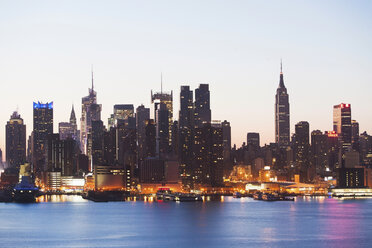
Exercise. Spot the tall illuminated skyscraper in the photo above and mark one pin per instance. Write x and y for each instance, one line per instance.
(90, 111)
(342, 124)
(15, 140)
(43, 127)
(282, 125)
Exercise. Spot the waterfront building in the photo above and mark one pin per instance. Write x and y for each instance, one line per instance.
(282, 125)
(42, 128)
(15, 141)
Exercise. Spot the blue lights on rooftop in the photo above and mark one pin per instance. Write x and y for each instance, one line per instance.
(39, 105)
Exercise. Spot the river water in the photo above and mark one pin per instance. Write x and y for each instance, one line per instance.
(70, 221)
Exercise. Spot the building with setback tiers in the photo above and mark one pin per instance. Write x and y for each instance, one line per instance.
(90, 111)
(282, 125)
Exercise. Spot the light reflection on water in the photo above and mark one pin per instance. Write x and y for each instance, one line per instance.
(60, 198)
(242, 222)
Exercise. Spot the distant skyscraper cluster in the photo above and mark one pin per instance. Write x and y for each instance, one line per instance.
(136, 150)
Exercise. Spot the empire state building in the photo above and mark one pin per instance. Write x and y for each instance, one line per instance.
(281, 114)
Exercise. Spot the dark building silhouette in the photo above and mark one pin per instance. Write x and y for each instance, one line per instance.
(301, 148)
(150, 138)
(253, 139)
(202, 110)
(152, 170)
(227, 162)
(109, 146)
(97, 137)
(282, 125)
(142, 115)
(186, 135)
(61, 155)
(43, 127)
(333, 148)
(208, 155)
(15, 141)
(162, 130)
(319, 152)
(355, 135)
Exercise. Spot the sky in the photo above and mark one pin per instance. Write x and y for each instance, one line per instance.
(47, 49)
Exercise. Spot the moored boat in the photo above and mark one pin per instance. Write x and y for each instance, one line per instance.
(25, 191)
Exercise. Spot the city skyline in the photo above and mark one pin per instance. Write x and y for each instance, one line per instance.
(247, 77)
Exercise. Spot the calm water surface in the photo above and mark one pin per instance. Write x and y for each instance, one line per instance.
(70, 221)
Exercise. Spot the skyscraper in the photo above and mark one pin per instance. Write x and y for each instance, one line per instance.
(319, 152)
(43, 127)
(253, 139)
(202, 105)
(208, 154)
(302, 147)
(186, 134)
(342, 124)
(90, 111)
(227, 163)
(69, 129)
(162, 130)
(15, 140)
(142, 115)
(282, 125)
(355, 135)
(165, 98)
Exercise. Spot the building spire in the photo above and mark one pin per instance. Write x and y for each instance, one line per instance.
(92, 79)
(281, 81)
(281, 67)
(161, 82)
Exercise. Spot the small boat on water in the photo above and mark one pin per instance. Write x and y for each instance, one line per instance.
(164, 194)
(181, 197)
(270, 197)
(25, 191)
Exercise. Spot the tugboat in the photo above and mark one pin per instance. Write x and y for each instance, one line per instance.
(25, 191)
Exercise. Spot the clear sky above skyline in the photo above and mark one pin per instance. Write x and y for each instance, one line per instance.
(47, 48)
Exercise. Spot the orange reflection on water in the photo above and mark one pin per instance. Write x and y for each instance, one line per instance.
(60, 198)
